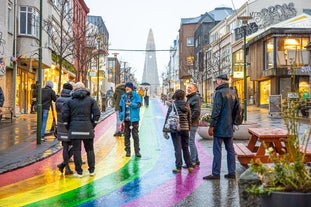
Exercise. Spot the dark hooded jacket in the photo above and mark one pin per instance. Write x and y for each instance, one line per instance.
(183, 112)
(225, 102)
(194, 102)
(81, 112)
(48, 95)
(62, 132)
(1, 97)
(120, 89)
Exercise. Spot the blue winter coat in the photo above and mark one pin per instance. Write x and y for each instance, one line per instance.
(134, 107)
(225, 102)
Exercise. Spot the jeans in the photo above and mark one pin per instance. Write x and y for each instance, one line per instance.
(217, 142)
(193, 148)
(118, 123)
(127, 136)
(45, 115)
(89, 148)
(180, 142)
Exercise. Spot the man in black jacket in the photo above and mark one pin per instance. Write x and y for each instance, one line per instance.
(1, 101)
(221, 127)
(62, 132)
(81, 113)
(48, 95)
(194, 101)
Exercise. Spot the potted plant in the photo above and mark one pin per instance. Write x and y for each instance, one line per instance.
(203, 125)
(287, 180)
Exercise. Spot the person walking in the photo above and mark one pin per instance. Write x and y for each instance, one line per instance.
(194, 101)
(81, 113)
(221, 127)
(130, 104)
(141, 92)
(1, 101)
(146, 97)
(34, 91)
(120, 89)
(48, 95)
(180, 138)
(62, 132)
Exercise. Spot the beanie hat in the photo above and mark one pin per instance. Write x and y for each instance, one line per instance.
(49, 84)
(130, 85)
(67, 86)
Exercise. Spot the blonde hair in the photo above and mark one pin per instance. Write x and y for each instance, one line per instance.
(78, 85)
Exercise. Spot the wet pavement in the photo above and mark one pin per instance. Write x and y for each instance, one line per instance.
(119, 181)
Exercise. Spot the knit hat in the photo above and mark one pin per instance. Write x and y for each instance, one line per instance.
(67, 86)
(223, 77)
(49, 84)
(130, 85)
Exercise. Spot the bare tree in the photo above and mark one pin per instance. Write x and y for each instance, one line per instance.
(60, 34)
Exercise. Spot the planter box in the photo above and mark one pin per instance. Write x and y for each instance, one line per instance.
(286, 199)
(240, 133)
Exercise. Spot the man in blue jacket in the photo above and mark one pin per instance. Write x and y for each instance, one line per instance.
(130, 104)
(221, 127)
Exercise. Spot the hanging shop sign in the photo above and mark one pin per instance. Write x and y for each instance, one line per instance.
(238, 74)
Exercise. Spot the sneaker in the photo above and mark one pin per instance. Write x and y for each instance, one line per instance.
(176, 171)
(117, 134)
(211, 177)
(230, 176)
(77, 175)
(190, 169)
(68, 172)
(92, 173)
(138, 154)
(197, 163)
(128, 154)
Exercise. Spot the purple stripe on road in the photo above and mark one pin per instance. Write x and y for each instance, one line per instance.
(178, 188)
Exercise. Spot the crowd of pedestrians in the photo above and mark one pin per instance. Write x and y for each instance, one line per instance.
(78, 114)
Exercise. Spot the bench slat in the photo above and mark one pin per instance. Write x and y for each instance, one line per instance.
(242, 150)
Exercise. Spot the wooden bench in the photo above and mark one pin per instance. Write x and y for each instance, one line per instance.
(244, 155)
(308, 153)
(7, 111)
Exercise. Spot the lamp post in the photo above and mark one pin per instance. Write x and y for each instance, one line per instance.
(98, 47)
(39, 97)
(244, 24)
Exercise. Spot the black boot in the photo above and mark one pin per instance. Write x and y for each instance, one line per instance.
(68, 171)
(61, 167)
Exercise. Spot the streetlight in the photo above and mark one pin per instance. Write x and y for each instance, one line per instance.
(244, 24)
(39, 107)
(98, 47)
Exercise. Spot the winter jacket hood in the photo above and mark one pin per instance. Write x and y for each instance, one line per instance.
(80, 93)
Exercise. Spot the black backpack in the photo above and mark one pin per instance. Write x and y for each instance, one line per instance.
(238, 115)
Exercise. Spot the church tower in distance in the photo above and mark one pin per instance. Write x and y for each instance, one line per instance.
(150, 74)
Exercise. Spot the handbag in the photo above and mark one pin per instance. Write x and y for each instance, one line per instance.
(172, 123)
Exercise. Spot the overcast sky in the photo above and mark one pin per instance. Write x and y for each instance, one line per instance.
(128, 23)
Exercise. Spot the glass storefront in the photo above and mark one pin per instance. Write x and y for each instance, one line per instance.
(264, 87)
(24, 80)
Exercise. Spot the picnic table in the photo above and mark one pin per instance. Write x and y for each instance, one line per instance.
(261, 138)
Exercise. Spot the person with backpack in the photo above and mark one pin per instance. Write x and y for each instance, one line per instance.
(120, 90)
(180, 132)
(62, 132)
(221, 127)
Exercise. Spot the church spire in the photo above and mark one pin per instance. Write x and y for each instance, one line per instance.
(150, 74)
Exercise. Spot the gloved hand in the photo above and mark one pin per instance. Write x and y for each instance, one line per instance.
(165, 135)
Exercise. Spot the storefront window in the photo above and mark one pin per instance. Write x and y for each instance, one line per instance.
(269, 53)
(285, 86)
(265, 92)
(292, 51)
(304, 87)
(238, 61)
